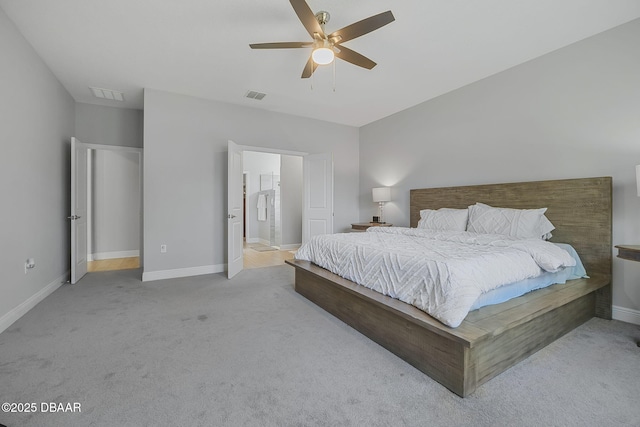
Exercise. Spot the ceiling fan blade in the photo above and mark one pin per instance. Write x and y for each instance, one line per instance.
(280, 45)
(354, 57)
(306, 16)
(360, 28)
(309, 68)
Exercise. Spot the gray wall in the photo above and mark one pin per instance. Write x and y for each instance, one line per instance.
(37, 125)
(572, 113)
(115, 204)
(185, 172)
(291, 199)
(98, 124)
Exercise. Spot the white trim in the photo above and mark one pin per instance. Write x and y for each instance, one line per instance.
(183, 272)
(113, 255)
(252, 240)
(626, 315)
(114, 147)
(290, 247)
(15, 314)
(272, 150)
(264, 242)
(90, 183)
(246, 176)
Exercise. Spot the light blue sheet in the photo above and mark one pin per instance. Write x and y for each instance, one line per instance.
(513, 290)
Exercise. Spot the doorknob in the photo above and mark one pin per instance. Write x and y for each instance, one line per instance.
(231, 216)
(72, 217)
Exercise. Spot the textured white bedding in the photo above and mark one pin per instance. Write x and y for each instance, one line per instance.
(439, 272)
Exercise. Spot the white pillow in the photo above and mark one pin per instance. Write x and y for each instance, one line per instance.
(527, 223)
(444, 219)
(545, 228)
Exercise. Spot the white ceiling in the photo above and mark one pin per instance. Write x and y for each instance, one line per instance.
(201, 48)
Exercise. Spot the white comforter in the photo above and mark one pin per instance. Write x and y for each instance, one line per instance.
(440, 272)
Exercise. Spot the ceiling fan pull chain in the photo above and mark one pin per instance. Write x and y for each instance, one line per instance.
(334, 75)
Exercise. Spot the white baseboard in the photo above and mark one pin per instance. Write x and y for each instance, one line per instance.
(626, 315)
(264, 242)
(182, 272)
(290, 247)
(252, 240)
(9, 318)
(112, 255)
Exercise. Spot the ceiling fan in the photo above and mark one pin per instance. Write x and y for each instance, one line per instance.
(327, 46)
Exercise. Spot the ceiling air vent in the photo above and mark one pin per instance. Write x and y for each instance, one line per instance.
(112, 95)
(255, 95)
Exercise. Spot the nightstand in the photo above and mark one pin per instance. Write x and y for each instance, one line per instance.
(362, 226)
(632, 253)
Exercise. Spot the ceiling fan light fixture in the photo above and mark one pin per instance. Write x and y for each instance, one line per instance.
(326, 47)
(323, 56)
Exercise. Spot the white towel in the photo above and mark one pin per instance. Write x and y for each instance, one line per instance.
(262, 207)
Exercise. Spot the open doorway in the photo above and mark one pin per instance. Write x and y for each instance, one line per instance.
(272, 207)
(114, 208)
(317, 199)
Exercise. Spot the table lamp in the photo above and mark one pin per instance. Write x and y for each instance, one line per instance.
(381, 195)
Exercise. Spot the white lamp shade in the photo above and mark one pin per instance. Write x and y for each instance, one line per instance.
(638, 179)
(382, 194)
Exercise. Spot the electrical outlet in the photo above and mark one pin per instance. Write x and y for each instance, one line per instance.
(163, 249)
(29, 264)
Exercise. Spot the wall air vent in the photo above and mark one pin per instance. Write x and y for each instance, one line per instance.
(255, 95)
(112, 95)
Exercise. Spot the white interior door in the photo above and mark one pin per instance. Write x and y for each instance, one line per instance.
(234, 210)
(78, 216)
(317, 213)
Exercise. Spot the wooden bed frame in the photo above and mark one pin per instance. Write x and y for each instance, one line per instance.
(493, 338)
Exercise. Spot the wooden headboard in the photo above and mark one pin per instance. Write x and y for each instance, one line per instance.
(580, 209)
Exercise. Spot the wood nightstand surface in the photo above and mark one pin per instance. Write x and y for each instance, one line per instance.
(630, 252)
(364, 225)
